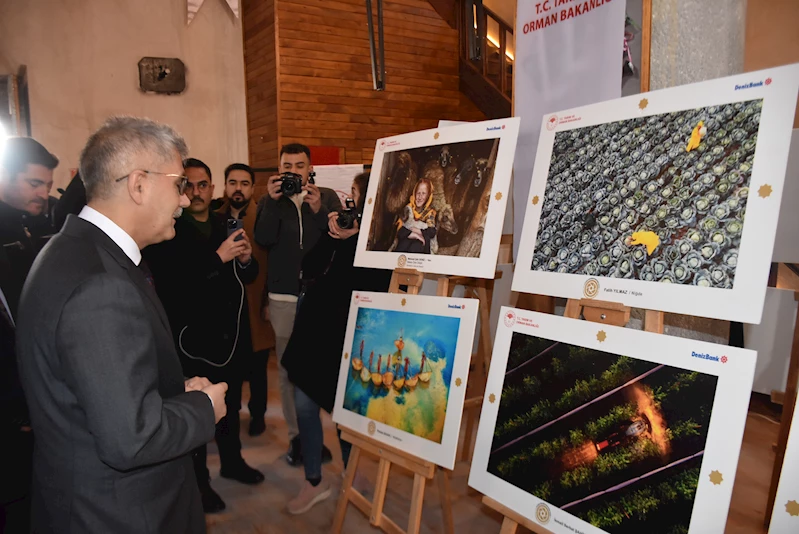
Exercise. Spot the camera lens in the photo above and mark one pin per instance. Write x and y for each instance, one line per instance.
(345, 221)
(291, 184)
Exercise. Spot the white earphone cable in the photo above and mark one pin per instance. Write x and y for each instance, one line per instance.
(238, 328)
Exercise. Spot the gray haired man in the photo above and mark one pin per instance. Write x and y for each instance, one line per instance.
(114, 418)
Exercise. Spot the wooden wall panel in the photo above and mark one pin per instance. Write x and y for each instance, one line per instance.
(325, 82)
(261, 71)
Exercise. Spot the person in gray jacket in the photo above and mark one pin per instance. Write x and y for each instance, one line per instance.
(288, 226)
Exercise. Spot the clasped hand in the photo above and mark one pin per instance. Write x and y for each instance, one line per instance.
(215, 392)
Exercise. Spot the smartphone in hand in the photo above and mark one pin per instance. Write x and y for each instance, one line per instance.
(233, 226)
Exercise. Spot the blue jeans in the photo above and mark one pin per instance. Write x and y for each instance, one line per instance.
(312, 436)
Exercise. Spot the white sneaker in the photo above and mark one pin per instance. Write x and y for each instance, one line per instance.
(308, 497)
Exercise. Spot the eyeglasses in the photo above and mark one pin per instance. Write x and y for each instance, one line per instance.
(181, 185)
(200, 186)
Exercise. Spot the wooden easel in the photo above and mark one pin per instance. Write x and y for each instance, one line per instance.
(596, 311)
(423, 471)
(482, 290)
(789, 403)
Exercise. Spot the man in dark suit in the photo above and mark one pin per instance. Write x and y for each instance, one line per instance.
(114, 419)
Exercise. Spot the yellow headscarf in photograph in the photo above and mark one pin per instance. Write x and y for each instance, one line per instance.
(427, 214)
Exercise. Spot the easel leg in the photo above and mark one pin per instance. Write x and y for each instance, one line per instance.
(380, 492)
(572, 309)
(417, 501)
(509, 526)
(653, 321)
(485, 326)
(466, 450)
(788, 414)
(443, 289)
(343, 498)
(446, 500)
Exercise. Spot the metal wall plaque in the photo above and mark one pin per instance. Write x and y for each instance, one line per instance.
(162, 75)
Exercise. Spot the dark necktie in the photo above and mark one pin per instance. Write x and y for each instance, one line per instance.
(148, 274)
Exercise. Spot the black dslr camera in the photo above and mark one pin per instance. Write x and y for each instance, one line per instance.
(290, 183)
(346, 218)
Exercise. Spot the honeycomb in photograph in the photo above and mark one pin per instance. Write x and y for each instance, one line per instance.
(659, 198)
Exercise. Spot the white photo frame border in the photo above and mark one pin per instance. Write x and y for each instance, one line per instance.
(725, 431)
(744, 302)
(466, 310)
(484, 266)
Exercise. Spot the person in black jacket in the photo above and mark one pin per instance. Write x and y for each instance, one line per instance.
(200, 277)
(17, 439)
(72, 200)
(313, 353)
(288, 226)
(26, 177)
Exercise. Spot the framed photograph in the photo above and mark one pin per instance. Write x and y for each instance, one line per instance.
(436, 199)
(665, 201)
(403, 372)
(785, 515)
(592, 428)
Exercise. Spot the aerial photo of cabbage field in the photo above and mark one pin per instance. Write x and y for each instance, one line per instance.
(659, 198)
(613, 440)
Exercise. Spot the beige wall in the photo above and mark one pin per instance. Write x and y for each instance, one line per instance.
(82, 58)
(772, 38)
(688, 48)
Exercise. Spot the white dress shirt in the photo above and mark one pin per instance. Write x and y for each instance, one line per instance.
(112, 230)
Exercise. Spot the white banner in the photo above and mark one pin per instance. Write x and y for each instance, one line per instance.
(338, 178)
(568, 54)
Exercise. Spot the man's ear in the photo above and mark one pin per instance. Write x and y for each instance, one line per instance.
(138, 185)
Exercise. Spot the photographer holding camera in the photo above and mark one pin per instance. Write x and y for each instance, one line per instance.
(291, 219)
(313, 354)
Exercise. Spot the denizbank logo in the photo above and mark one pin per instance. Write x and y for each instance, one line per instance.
(705, 356)
(752, 85)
